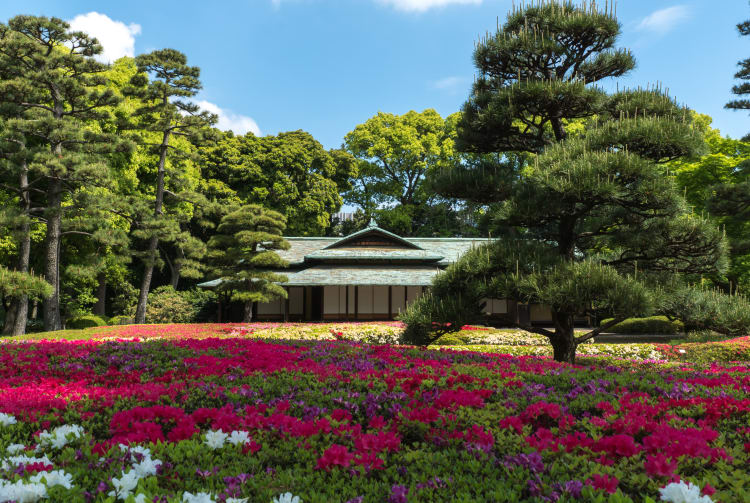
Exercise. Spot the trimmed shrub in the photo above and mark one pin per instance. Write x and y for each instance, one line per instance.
(167, 305)
(650, 325)
(701, 309)
(85, 321)
(121, 319)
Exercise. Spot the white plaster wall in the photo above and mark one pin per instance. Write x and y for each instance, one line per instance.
(380, 300)
(365, 300)
(352, 307)
(342, 299)
(273, 307)
(330, 300)
(412, 293)
(398, 302)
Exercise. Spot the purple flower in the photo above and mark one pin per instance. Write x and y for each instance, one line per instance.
(398, 494)
(574, 488)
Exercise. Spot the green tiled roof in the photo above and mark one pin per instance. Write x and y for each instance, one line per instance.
(337, 261)
(373, 254)
(323, 275)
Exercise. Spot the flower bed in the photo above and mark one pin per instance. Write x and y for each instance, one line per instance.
(242, 419)
(732, 350)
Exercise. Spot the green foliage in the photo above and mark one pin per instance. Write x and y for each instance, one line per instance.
(290, 173)
(167, 305)
(650, 325)
(85, 321)
(121, 319)
(398, 156)
(244, 254)
(534, 74)
(581, 218)
(15, 284)
(707, 309)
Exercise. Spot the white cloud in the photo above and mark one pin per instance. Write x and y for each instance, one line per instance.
(229, 120)
(116, 38)
(453, 83)
(423, 5)
(663, 20)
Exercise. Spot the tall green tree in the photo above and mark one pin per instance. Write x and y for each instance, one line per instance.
(163, 84)
(245, 252)
(397, 156)
(743, 73)
(596, 219)
(718, 184)
(50, 73)
(291, 173)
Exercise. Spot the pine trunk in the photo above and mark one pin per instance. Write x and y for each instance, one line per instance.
(52, 319)
(248, 312)
(100, 308)
(564, 344)
(18, 314)
(153, 245)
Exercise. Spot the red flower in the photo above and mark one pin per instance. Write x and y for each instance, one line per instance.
(604, 482)
(336, 455)
(660, 465)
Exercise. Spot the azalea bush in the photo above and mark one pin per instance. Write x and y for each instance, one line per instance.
(246, 419)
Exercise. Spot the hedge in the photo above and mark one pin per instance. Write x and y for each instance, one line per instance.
(650, 325)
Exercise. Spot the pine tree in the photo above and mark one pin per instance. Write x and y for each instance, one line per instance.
(244, 250)
(164, 111)
(743, 74)
(590, 215)
(51, 77)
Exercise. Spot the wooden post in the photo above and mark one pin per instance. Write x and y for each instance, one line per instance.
(286, 303)
(390, 302)
(347, 303)
(304, 303)
(356, 302)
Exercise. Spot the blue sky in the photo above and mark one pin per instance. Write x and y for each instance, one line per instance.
(325, 66)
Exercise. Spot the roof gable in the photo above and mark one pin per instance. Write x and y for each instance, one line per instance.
(373, 237)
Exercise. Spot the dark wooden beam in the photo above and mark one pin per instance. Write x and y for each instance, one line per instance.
(286, 303)
(356, 302)
(390, 302)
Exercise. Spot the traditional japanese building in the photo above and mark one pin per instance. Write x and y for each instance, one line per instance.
(372, 274)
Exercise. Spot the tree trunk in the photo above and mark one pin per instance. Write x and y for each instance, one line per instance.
(558, 129)
(248, 312)
(10, 317)
(101, 295)
(564, 344)
(52, 260)
(153, 245)
(17, 315)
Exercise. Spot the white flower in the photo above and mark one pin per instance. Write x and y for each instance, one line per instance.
(141, 498)
(60, 436)
(287, 498)
(15, 448)
(236, 500)
(198, 497)
(138, 449)
(215, 439)
(124, 485)
(54, 478)
(239, 437)
(146, 467)
(680, 492)
(7, 419)
(22, 492)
